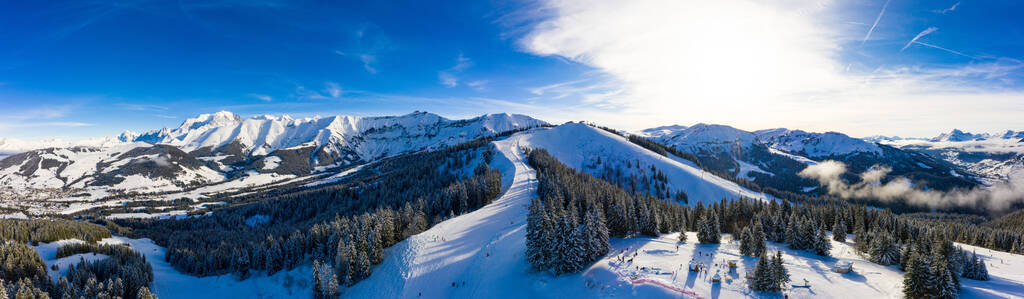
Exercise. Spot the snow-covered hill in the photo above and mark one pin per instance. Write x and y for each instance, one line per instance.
(222, 150)
(480, 254)
(593, 150)
(815, 145)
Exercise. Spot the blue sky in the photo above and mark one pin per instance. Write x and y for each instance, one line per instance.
(76, 69)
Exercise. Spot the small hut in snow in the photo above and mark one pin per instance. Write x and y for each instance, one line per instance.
(843, 267)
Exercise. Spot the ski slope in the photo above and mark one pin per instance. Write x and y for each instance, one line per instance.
(480, 254)
(482, 248)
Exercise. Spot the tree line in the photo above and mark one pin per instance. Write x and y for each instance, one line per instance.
(49, 230)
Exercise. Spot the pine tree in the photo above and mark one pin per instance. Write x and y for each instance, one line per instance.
(974, 268)
(342, 263)
(758, 239)
(839, 231)
(779, 273)
(362, 267)
(763, 275)
(536, 236)
(945, 285)
(883, 250)
(915, 278)
(981, 270)
(822, 245)
(318, 283)
(716, 230)
(746, 242)
(793, 231)
(862, 241)
(143, 294)
(708, 231)
(598, 235)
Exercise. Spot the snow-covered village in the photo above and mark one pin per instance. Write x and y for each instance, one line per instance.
(511, 149)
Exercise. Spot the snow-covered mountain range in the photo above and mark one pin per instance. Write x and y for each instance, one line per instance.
(224, 151)
(774, 157)
(220, 147)
(990, 157)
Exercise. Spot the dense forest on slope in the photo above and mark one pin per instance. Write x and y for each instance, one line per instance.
(50, 230)
(124, 273)
(1012, 222)
(346, 225)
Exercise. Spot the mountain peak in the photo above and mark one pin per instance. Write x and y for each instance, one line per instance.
(220, 118)
(1011, 134)
(656, 132)
(956, 135)
(127, 136)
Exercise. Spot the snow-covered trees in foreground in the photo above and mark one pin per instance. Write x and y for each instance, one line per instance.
(708, 228)
(23, 273)
(752, 241)
(770, 275)
(569, 224)
(839, 231)
(325, 281)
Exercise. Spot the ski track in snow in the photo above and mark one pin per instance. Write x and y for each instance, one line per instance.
(457, 250)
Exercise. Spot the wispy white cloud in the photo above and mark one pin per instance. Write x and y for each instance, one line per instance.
(261, 97)
(142, 107)
(875, 24)
(919, 36)
(368, 44)
(449, 77)
(331, 90)
(944, 49)
(368, 61)
(479, 85)
(947, 10)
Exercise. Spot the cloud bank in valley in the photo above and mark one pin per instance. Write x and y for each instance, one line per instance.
(996, 198)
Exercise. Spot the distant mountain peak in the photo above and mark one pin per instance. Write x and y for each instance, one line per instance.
(1010, 134)
(956, 135)
(661, 131)
(217, 119)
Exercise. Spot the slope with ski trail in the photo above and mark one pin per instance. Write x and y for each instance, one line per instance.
(471, 255)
